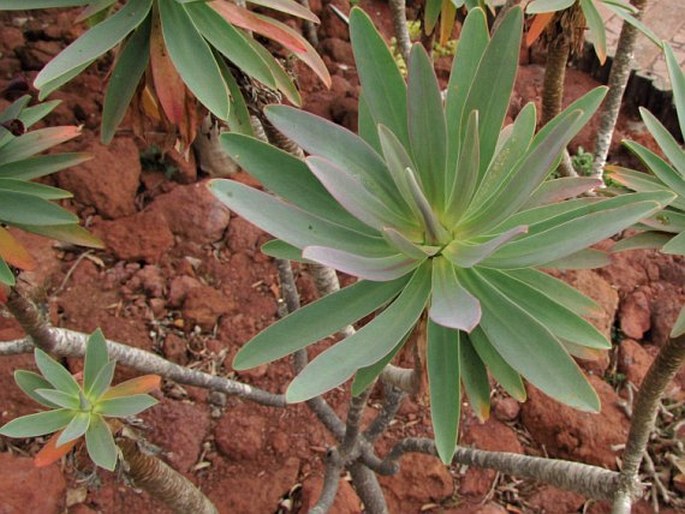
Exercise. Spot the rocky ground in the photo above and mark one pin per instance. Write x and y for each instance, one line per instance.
(183, 277)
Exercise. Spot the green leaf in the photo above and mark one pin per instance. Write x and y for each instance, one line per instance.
(643, 240)
(672, 150)
(677, 77)
(493, 83)
(14, 5)
(238, 115)
(102, 381)
(6, 275)
(12, 185)
(427, 129)
(95, 360)
(230, 42)
(452, 305)
(597, 33)
(55, 373)
(366, 125)
(384, 89)
(529, 348)
(193, 58)
(368, 345)
(32, 115)
(75, 429)
(70, 233)
(475, 378)
(364, 377)
(37, 424)
(461, 183)
(282, 250)
(316, 321)
(340, 146)
(127, 406)
(444, 382)
(288, 7)
(468, 254)
(589, 258)
(473, 41)
(123, 82)
(505, 375)
(292, 224)
(28, 381)
(58, 82)
(431, 15)
(380, 269)
(559, 189)
(559, 320)
(98, 40)
(22, 208)
(679, 326)
(32, 143)
(635, 22)
(676, 245)
(538, 6)
(100, 444)
(36, 167)
(59, 398)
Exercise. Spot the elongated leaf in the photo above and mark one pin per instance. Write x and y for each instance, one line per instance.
(125, 406)
(32, 143)
(406, 246)
(70, 233)
(7, 278)
(530, 348)
(14, 253)
(21, 208)
(538, 6)
(75, 429)
(193, 58)
(597, 32)
(12, 185)
(96, 358)
(364, 377)
(644, 182)
(444, 381)
(239, 120)
(677, 77)
(635, 22)
(288, 7)
(452, 305)
(643, 240)
(230, 42)
(59, 398)
(668, 220)
(35, 113)
(505, 375)
(673, 151)
(51, 453)
(380, 269)
(291, 224)
(497, 69)
(58, 82)
(138, 385)
(462, 182)
(679, 326)
(538, 26)
(29, 381)
(475, 378)
(36, 167)
(282, 250)
(123, 82)
(95, 7)
(13, 5)
(100, 444)
(557, 190)
(427, 129)
(101, 381)
(589, 258)
(559, 320)
(34, 425)
(431, 15)
(368, 345)
(350, 191)
(676, 245)
(384, 89)
(366, 125)
(98, 40)
(55, 373)
(467, 255)
(345, 149)
(473, 40)
(316, 321)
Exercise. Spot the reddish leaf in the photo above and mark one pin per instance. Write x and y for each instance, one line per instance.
(540, 22)
(169, 86)
(139, 385)
(241, 17)
(447, 17)
(51, 453)
(14, 253)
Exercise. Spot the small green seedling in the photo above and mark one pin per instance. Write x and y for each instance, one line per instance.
(78, 409)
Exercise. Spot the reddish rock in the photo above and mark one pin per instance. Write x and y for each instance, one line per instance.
(109, 182)
(179, 289)
(240, 433)
(175, 349)
(186, 166)
(339, 50)
(42, 249)
(143, 236)
(151, 279)
(551, 500)
(346, 500)
(13, 401)
(633, 361)
(25, 488)
(243, 236)
(667, 300)
(476, 508)
(635, 315)
(421, 479)
(204, 305)
(572, 434)
(179, 429)
(506, 409)
(193, 213)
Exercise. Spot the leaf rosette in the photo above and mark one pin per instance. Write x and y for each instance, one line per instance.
(79, 409)
(436, 209)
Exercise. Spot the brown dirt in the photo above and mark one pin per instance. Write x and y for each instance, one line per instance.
(184, 278)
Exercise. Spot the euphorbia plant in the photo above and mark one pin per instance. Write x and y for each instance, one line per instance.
(79, 409)
(439, 210)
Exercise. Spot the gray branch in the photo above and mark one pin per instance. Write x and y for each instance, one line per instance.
(334, 467)
(399, 21)
(391, 404)
(368, 489)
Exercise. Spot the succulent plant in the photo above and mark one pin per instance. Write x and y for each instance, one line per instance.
(79, 409)
(438, 210)
(25, 204)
